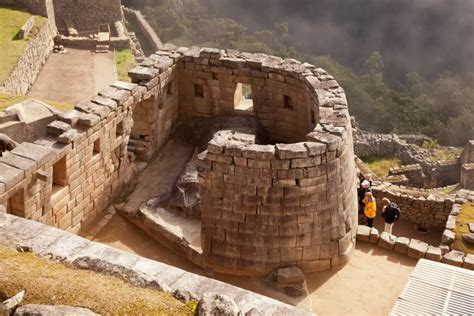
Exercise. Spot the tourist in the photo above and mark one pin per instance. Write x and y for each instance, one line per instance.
(390, 214)
(363, 189)
(370, 208)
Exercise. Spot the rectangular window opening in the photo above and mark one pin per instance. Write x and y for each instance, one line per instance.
(96, 150)
(287, 102)
(169, 89)
(313, 120)
(59, 175)
(243, 98)
(198, 91)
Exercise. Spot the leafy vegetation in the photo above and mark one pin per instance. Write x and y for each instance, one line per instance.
(53, 283)
(442, 108)
(464, 218)
(380, 165)
(7, 100)
(124, 61)
(11, 21)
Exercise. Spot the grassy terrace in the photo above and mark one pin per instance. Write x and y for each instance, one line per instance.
(466, 217)
(124, 61)
(11, 21)
(381, 165)
(7, 100)
(53, 283)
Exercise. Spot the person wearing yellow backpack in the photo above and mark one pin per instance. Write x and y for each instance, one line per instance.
(370, 208)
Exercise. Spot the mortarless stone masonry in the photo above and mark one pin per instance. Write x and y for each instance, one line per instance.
(263, 206)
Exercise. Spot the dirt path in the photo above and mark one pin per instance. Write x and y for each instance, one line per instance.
(74, 76)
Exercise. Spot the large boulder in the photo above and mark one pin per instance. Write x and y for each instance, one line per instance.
(218, 305)
(48, 310)
(7, 307)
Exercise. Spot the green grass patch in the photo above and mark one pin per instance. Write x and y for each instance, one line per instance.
(11, 20)
(380, 165)
(464, 218)
(7, 100)
(124, 61)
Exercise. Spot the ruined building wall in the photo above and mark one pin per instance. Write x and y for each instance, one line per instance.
(67, 177)
(86, 15)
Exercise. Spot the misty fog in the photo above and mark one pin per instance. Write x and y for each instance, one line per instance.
(425, 36)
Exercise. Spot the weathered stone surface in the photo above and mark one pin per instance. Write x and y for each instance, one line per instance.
(289, 151)
(68, 136)
(10, 176)
(363, 233)
(401, 244)
(56, 128)
(289, 275)
(218, 305)
(433, 253)
(49, 310)
(454, 257)
(448, 237)
(471, 227)
(7, 307)
(37, 153)
(468, 262)
(374, 235)
(143, 73)
(184, 296)
(27, 165)
(387, 241)
(417, 249)
(468, 238)
(49, 241)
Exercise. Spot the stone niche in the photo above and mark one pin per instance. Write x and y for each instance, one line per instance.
(290, 201)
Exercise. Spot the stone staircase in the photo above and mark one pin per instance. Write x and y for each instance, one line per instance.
(103, 42)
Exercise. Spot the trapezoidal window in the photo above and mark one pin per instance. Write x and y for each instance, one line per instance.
(97, 148)
(119, 131)
(198, 90)
(288, 102)
(59, 176)
(169, 89)
(243, 98)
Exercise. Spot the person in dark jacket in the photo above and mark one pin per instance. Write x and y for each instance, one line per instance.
(390, 214)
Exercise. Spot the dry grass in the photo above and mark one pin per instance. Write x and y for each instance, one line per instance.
(11, 20)
(466, 217)
(380, 165)
(7, 100)
(53, 283)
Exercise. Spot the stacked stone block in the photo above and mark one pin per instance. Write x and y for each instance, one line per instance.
(86, 15)
(419, 206)
(67, 177)
(414, 174)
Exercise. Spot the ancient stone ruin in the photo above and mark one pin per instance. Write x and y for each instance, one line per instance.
(263, 204)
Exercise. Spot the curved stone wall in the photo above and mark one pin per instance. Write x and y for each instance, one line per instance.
(267, 206)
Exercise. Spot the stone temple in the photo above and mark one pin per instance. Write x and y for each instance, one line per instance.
(266, 186)
(279, 192)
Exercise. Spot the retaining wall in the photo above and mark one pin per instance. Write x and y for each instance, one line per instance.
(419, 206)
(153, 41)
(31, 61)
(86, 15)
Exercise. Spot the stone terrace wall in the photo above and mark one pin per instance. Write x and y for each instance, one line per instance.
(418, 206)
(31, 61)
(66, 178)
(38, 7)
(87, 15)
